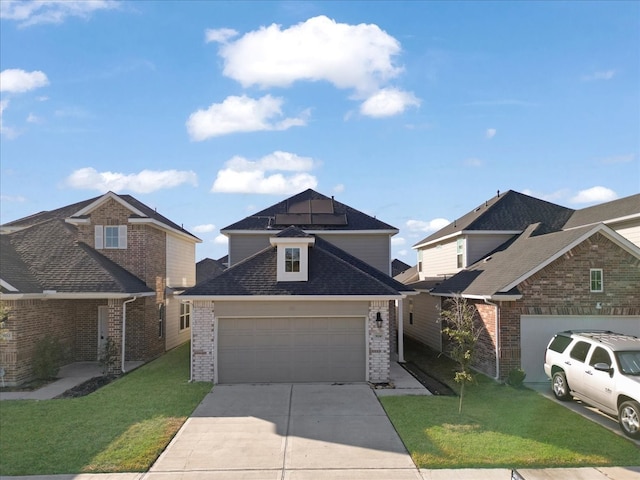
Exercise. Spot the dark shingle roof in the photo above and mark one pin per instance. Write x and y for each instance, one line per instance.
(398, 266)
(510, 211)
(47, 256)
(513, 261)
(208, 268)
(69, 211)
(623, 207)
(332, 272)
(286, 210)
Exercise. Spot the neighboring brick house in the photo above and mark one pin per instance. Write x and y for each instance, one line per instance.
(531, 268)
(307, 297)
(81, 272)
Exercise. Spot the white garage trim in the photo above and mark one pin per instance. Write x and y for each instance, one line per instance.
(321, 330)
(537, 330)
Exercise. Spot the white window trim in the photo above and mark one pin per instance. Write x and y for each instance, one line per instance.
(282, 244)
(591, 272)
(185, 315)
(100, 237)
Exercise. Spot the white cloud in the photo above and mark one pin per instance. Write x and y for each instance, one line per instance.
(245, 176)
(388, 102)
(490, 133)
(339, 188)
(556, 197)
(241, 114)
(220, 35)
(221, 240)
(33, 118)
(8, 132)
(473, 162)
(13, 198)
(34, 12)
(146, 181)
(600, 75)
(15, 80)
(396, 241)
(206, 228)
(594, 195)
(357, 57)
(403, 253)
(628, 158)
(430, 226)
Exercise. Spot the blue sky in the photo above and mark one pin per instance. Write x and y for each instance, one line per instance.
(414, 112)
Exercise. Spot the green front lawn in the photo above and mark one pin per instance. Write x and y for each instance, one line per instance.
(122, 427)
(500, 427)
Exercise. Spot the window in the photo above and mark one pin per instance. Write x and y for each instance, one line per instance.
(600, 355)
(559, 343)
(110, 236)
(185, 315)
(292, 260)
(460, 252)
(596, 279)
(579, 351)
(410, 311)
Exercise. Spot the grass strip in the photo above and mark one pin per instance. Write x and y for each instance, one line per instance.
(122, 427)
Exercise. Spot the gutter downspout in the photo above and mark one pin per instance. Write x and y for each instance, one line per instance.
(486, 300)
(400, 320)
(191, 344)
(124, 329)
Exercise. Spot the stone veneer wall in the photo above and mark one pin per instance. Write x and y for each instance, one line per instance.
(379, 350)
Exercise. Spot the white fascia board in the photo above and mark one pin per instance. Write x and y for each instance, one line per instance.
(7, 286)
(610, 221)
(165, 228)
(72, 296)
(599, 228)
(78, 221)
(496, 298)
(290, 298)
(311, 232)
(461, 233)
(293, 241)
(109, 195)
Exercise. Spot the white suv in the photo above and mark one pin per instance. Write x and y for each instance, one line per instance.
(600, 368)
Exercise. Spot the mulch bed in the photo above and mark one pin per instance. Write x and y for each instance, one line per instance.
(435, 386)
(85, 388)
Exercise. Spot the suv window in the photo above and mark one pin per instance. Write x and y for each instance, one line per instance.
(560, 343)
(600, 355)
(579, 351)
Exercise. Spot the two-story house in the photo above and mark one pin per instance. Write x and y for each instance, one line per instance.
(104, 268)
(307, 297)
(531, 268)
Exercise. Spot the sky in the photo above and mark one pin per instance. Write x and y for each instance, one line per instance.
(414, 112)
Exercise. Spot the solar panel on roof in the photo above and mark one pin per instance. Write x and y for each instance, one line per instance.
(320, 205)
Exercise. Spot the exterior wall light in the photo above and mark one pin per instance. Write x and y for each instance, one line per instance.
(379, 320)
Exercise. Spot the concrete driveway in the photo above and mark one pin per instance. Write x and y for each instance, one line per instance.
(295, 432)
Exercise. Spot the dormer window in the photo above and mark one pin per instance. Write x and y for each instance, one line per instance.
(292, 259)
(292, 245)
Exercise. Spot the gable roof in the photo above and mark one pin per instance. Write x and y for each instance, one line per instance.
(332, 272)
(208, 268)
(32, 264)
(79, 211)
(609, 212)
(398, 266)
(508, 212)
(499, 273)
(312, 211)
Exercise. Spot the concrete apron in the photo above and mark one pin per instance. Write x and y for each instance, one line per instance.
(295, 432)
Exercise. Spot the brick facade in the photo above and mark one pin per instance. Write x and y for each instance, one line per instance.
(75, 322)
(204, 353)
(561, 288)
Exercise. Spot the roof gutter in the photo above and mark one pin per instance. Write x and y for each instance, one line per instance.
(124, 329)
(54, 295)
(496, 297)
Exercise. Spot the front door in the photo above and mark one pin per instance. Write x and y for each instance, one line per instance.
(103, 329)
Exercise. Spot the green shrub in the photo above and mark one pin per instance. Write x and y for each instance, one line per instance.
(108, 355)
(47, 358)
(516, 377)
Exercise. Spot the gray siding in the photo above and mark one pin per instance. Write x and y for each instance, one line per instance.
(373, 248)
(243, 246)
(426, 320)
(478, 246)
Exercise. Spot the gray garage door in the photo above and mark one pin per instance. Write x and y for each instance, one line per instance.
(282, 350)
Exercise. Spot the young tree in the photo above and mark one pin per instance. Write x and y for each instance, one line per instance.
(464, 332)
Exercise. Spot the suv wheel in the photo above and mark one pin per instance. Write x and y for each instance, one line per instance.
(560, 386)
(629, 418)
